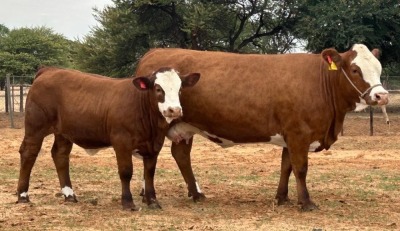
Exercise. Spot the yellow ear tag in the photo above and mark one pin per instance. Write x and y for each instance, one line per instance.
(332, 65)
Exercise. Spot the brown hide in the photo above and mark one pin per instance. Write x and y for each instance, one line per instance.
(248, 98)
(92, 111)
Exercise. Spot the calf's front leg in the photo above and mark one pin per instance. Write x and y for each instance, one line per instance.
(149, 192)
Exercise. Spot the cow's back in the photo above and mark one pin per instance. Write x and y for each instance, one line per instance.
(76, 104)
(255, 96)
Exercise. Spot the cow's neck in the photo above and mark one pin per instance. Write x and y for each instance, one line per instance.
(340, 98)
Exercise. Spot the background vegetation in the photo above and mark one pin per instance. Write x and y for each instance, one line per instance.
(129, 28)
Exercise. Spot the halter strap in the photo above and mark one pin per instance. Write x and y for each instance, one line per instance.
(362, 95)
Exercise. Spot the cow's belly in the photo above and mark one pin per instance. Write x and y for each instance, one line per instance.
(182, 132)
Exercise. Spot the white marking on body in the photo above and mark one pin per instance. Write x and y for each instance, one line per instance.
(136, 154)
(24, 194)
(198, 188)
(278, 140)
(313, 146)
(170, 82)
(371, 69)
(67, 191)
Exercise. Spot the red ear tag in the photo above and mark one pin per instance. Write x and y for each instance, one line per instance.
(329, 59)
(142, 85)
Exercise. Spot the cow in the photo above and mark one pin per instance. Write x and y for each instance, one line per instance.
(297, 101)
(132, 115)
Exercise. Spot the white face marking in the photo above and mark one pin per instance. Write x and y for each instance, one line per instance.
(67, 191)
(371, 69)
(170, 82)
(361, 106)
(24, 194)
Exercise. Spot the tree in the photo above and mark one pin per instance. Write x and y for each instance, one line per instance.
(23, 50)
(129, 28)
(341, 23)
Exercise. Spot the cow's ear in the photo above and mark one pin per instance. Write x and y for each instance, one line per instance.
(333, 58)
(142, 83)
(190, 80)
(376, 52)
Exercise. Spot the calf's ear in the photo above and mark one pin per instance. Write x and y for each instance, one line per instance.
(190, 80)
(332, 56)
(142, 83)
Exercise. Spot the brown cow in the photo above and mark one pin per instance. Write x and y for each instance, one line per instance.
(297, 101)
(96, 112)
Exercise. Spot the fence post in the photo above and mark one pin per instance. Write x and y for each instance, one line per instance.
(8, 98)
(21, 98)
(371, 121)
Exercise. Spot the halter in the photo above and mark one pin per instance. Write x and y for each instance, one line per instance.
(362, 95)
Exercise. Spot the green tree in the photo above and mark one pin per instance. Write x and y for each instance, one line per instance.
(341, 23)
(129, 28)
(23, 50)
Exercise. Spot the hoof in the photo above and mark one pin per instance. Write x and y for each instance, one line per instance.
(71, 199)
(154, 206)
(284, 201)
(23, 200)
(200, 197)
(130, 206)
(308, 207)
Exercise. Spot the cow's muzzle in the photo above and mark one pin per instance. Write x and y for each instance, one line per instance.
(173, 112)
(382, 98)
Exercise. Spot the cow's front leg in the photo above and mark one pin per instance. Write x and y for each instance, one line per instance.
(125, 171)
(298, 154)
(181, 153)
(60, 153)
(149, 192)
(286, 170)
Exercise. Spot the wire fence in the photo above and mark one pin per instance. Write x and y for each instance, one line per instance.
(356, 123)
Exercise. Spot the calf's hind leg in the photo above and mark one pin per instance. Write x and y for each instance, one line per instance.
(29, 151)
(60, 153)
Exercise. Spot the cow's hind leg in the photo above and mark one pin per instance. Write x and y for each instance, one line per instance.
(60, 153)
(29, 150)
(149, 196)
(181, 153)
(286, 170)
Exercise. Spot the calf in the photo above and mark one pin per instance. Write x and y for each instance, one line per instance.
(95, 112)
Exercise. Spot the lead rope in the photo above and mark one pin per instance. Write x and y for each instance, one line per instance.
(354, 86)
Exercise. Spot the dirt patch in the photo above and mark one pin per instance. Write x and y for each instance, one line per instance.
(356, 185)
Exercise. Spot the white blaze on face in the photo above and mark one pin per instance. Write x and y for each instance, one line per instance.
(371, 69)
(170, 82)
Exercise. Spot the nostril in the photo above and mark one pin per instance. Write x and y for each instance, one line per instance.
(170, 110)
(377, 96)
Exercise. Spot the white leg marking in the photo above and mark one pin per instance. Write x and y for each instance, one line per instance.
(198, 188)
(24, 194)
(67, 191)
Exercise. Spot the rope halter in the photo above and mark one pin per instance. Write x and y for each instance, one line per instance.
(362, 94)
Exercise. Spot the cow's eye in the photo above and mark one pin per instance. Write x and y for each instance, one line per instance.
(158, 90)
(355, 71)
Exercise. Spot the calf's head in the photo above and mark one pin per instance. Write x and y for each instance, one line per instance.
(166, 84)
(362, 69)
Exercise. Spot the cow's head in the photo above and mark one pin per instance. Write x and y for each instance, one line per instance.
(166, 84)
(362, 69)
